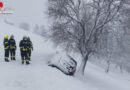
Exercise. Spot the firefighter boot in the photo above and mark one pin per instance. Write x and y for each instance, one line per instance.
(22, 61)
(27, 62)
(14, 58)
(6, 59)
(11, 57)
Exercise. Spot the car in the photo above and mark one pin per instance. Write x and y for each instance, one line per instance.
(64, 63)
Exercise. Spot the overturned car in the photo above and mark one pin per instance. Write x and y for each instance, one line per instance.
(64, 63)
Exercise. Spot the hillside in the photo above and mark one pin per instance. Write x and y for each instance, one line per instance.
(39, 76)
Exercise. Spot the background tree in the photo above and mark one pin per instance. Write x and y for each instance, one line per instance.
(36, 29)
(24, 26)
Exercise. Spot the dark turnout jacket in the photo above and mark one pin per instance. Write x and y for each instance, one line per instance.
(12, 44)
(6, 44)
(23, 45)
(30, 45)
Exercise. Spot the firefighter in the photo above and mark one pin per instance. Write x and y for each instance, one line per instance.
(24, 50)
(30, 48)
(6, 47)
(12, 45)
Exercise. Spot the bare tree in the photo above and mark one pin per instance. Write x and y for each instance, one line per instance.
(24, 26)
(110, 49)
(43, 31)
(80, 23)
(8, 22)
(36, 29)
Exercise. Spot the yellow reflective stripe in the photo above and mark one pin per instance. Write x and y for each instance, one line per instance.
(30, 48)
(24, 49)
(13, 56)
(7, 47)
(12, 47)
(6, 57)
(27, 60)
(22, 61)
(5, 42)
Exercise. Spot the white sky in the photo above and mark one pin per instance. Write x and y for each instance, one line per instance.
(31, 11)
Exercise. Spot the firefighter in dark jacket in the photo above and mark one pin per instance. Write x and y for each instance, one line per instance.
(24, 50)
(12, 46)
(30, 48)
(6, 47)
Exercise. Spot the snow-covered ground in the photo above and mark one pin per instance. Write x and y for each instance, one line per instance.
(39, 76)
(96, 77)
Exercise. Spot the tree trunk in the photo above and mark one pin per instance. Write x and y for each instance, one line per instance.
(108, 66)
(83, 64)
(121, 69)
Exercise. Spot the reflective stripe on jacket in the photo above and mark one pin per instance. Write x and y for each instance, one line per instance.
(6, 44)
